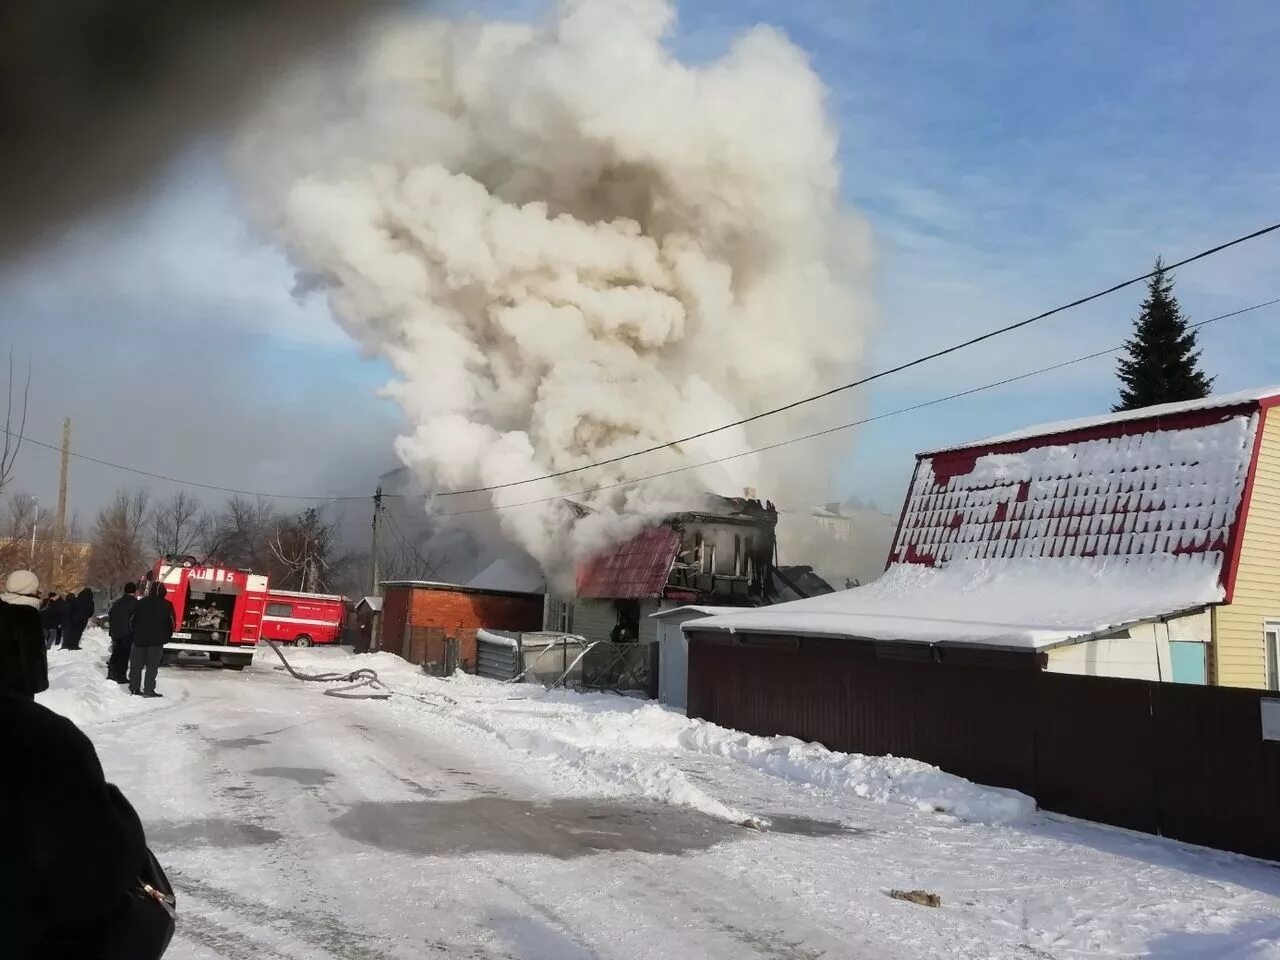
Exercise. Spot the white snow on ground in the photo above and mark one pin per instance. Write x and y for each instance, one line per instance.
(282, 814)
(78, 688)
(620, 745)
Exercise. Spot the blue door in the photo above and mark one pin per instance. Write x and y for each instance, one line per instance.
(1188, 661)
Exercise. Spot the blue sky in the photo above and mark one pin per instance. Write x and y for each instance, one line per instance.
(1009, 157)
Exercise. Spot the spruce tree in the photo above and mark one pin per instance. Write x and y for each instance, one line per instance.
(1161, 362)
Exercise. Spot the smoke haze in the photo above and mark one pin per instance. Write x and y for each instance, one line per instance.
(570, 246)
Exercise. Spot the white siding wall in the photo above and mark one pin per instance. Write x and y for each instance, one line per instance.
(673, 659)
(1143, 655)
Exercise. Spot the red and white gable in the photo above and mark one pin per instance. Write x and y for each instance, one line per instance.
(1166, 481)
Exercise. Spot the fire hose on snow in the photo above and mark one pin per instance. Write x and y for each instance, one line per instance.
(363, 679)
(361, 684)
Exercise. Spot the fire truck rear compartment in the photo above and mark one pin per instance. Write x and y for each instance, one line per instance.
(208, 615)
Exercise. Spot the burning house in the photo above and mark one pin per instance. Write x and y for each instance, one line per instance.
(722, 555)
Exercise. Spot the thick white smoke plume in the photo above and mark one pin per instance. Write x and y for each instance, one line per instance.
(570, 246)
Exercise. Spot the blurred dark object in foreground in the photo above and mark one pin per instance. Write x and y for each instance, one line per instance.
(95, 95)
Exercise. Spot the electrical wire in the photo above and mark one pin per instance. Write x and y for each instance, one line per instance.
(180, 482)
(453, 493)
(954, 348)
(844, 426)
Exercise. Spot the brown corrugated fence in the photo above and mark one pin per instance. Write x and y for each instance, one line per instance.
(1182, 761)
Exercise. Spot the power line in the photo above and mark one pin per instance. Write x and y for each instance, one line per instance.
(355, 498)
(872, 377)
(179, 481)
(844, 426)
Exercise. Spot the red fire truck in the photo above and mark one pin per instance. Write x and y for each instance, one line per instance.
(303, 619)
(218, 611)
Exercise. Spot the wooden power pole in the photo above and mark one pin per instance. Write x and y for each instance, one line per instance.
(374, 574)
(60, 521)
(375, 641)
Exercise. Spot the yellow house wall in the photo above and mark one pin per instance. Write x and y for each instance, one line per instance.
(1237, 627)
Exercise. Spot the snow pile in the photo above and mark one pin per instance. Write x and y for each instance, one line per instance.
(610, 745)
(538, 225)
(78, 685)
(882, 779)
(1027, 604)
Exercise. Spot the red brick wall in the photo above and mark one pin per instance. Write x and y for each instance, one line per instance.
(434, 615)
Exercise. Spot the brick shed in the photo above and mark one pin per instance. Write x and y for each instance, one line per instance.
(418, 617)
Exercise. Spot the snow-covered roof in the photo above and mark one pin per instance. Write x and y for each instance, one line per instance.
(373, 603)
(1222, 400)
(511, 575)
(691, 610)
(1011, 604)
(1153, 492)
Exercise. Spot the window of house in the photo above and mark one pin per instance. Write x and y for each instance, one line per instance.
(279, 609)
(1271, 641)
(737, 556)
(708, 557)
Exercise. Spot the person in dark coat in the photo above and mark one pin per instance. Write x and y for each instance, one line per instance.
(74, 847)
(51, 619)
(120, 627)
(81, 614)
(67, 603)
(153, 625)
(24, 667)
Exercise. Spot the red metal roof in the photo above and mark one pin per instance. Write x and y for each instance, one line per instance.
(635, 570)
(1121, 488)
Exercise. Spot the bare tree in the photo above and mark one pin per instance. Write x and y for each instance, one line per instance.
(16, 534)
(400, 558)
(117, 551)
(176, 526)
(304, 550)
(13, 439)
(240, 536)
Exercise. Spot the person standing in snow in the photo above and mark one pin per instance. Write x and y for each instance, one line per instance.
(81, 614)
(120, 626)
(24, 667)
(51, 619)
(64, 630)
(153, 624)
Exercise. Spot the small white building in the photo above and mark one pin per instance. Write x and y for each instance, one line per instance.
(673, 651)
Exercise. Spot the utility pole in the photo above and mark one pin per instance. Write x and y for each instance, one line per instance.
(375, 640)
(34, 524)
(374, 574)
(60, 522)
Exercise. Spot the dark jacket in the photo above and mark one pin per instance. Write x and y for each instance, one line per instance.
(82, 609)
(119, 620)
(24, 669)
(153, 619)
(51, 614)
(73, 845)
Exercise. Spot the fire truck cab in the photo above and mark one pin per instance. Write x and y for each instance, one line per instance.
(218, 611)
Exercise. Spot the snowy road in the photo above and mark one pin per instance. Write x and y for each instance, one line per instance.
(492, 822)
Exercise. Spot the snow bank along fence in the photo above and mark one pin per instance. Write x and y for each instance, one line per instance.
(1188, 762)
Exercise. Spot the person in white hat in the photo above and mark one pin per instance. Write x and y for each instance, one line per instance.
(24, 667)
